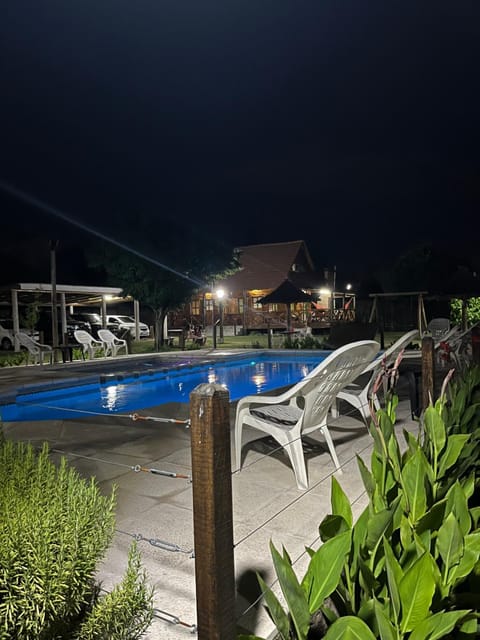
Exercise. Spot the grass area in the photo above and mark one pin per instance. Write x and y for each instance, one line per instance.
(252, 341)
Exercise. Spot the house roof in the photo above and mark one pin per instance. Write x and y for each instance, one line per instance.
(266, 266)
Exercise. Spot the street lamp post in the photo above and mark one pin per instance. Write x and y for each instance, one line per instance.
(220, 296)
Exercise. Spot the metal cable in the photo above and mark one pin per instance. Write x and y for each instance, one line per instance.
(136, 468)
(159, 544)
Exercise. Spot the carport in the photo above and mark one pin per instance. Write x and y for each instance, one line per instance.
(60, 297)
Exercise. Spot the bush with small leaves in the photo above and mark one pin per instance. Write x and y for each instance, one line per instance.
(54, 528)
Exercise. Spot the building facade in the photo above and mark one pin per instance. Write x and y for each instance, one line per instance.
(236, 301)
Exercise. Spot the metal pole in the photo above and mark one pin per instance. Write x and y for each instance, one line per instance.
(220, 308)
(53, 278)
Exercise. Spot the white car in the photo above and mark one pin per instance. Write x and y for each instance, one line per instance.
(121, 324)
(6, 334)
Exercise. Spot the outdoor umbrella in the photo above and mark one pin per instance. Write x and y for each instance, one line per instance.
(286, 293)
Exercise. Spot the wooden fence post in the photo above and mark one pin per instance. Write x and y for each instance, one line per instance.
(212, 512)
(428, 371)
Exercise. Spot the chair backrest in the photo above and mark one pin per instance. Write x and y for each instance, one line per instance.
(389, 356)
(321, 386)
(438, 327)
(83, 337)
(29, 343)
(106, 335)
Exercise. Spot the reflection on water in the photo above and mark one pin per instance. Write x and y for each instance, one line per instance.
(240, 378)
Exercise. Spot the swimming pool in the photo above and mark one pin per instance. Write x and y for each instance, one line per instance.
(127, 393)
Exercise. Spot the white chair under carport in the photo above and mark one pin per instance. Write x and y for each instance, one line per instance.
(111, 343)
(89, 344)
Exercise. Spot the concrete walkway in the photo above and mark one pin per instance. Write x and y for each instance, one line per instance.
(266, 503)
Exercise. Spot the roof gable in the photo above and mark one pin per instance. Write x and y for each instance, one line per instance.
(266, 266)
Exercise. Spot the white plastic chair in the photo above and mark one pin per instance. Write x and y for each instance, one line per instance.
(36, 350)
(359, 393)
(438, 328)
(111, 343)
(89, 345)
(304, 407)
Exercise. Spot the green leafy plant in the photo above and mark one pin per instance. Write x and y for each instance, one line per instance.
(473, 310)
(408, 568)
(54, 528)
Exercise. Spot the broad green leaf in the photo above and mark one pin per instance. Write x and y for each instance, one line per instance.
(450, 544)
(433, 518)
(435, 431)
(475, 513)
(469, 627)
(455, 444)
(324, 569)
(437, 626)
(367, 477)
(358, 540)
(406, 532)
(275, 610)
(416, 592)
(394, 577)
(385, 627)
(377, 526)
(414, 476)
(412, 443)
(394, 454)
(331, 526)
(340, 503)
(469, 558)
(349, 628)
(293, 592)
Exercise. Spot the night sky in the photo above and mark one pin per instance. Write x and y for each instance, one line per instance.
(351, 125)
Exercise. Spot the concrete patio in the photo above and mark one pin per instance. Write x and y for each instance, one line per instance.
(266, 503)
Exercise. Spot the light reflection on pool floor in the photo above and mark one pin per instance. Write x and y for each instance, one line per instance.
(124, 394)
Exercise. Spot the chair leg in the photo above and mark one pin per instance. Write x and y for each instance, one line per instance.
(237, 444)
(294, 450)
(331, 448)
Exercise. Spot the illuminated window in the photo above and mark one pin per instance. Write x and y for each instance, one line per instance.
(208, 304)
(195, 307)
(255, 302)
(240, 304)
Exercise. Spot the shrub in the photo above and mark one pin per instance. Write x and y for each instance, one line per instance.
(54, 528)
(473, 310)
(409, 567)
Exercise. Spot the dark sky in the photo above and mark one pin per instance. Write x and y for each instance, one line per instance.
(352, 125)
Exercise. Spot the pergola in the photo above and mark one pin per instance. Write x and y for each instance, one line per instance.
(61, 296)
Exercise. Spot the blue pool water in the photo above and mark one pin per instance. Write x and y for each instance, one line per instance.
(125, 394)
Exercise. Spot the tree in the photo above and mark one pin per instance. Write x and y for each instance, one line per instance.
(162, 266)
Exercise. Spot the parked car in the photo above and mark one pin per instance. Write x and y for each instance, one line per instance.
(93, 319)
(6, 334)
(45, 326)
(121, 325)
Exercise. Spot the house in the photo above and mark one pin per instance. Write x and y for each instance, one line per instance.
(235, 302)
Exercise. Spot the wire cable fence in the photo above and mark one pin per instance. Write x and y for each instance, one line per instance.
(201, 413)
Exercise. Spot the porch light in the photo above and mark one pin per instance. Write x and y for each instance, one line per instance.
(325, 292)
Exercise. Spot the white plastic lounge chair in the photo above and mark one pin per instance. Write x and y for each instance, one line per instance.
(89, 345)
(438, 328)
(456, 347)
(305, 406)
(359, 392)
(35, 349)
(111, 343)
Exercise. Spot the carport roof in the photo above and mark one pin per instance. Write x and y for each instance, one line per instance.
(81, 295)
